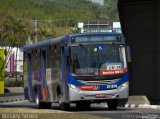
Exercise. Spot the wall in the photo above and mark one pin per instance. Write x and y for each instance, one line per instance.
(1, 71)
(141, 27)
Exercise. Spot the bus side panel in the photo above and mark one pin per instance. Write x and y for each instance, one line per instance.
(56, 71)
(37, 83)
(45, 93)
(50, 68)
(50, 82)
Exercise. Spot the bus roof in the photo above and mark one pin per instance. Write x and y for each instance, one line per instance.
(65, 38)
(46, 42)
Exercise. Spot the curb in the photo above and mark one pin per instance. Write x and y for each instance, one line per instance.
(10, 94)
(12, 100)
(14, 89)
(142, 106)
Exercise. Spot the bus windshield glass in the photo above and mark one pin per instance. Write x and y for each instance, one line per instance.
(93, 59)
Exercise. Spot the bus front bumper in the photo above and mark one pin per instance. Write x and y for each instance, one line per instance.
(75, 94)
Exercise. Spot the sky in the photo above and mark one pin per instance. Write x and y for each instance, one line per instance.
(98, 1)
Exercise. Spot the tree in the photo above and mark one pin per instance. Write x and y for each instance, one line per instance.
(13, 31)
(12, 35)
(109, 10)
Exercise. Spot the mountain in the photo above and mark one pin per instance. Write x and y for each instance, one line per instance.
(49, 18)
(50, 9)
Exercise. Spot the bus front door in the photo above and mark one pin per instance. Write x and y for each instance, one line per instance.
(64, 73)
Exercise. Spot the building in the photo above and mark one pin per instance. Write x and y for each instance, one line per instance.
(99, 26)
(12, 63)
(140, 21)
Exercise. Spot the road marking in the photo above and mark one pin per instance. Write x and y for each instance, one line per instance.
(127, 105)
(133, 106)
(13, 102)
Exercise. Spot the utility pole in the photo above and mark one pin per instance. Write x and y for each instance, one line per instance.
(35, 25)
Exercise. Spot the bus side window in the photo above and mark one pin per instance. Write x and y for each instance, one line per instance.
(56, 61)
(35, 59)
(49, 57)
(38, 58)
(32, 60)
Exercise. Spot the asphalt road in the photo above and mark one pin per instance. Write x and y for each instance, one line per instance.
(96, 110)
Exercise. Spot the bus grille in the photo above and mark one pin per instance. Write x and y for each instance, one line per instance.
(99, 82)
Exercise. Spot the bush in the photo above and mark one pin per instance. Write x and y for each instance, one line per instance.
(12, 82)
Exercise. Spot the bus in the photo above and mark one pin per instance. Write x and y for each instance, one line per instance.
(82, 68)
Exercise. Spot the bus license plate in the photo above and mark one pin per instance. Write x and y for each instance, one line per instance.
(100, 95)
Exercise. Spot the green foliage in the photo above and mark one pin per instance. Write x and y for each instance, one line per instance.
(25, 20)
(109, 10)
(13, 31)
(12, 82)
(10, 79)
(75, 10)
(49, 9)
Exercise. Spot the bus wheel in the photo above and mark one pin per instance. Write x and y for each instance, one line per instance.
(63, 106)
(83, 105)
(42, 105)
(47, 105)
(112, 104)
(38, 103)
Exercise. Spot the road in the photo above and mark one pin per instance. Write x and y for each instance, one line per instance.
(96, 110)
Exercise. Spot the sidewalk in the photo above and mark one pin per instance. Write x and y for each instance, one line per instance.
(12, 94)
(140, 101)
(14, 90)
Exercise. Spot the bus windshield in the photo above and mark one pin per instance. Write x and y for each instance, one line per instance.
(91, 59)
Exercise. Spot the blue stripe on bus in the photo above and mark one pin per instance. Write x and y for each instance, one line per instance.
(72, 80)
(116, 84)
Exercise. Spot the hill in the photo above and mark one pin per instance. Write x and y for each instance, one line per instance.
(24, 20)
(50, 9)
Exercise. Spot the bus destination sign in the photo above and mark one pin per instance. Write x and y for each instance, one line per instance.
(81, 39)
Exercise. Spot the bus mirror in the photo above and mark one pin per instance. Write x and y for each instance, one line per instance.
(128, 53)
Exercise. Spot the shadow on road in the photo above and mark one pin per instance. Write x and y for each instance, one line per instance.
(73, 108)
(16, 105)
(96, 108)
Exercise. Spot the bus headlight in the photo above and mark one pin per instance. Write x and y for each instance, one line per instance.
(73, 87)
(123, 86)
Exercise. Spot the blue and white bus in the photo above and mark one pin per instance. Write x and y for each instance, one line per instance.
(80, 68)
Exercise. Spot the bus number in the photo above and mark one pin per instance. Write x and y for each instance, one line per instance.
(111, 86)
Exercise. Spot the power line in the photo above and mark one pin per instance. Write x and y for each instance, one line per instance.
(35, 21)
(41, 20)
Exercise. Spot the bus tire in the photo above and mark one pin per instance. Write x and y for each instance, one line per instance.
(47, 105)
(83, 105)
(63, 106)
(38, 103)
(112, 104)
(41, 105)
